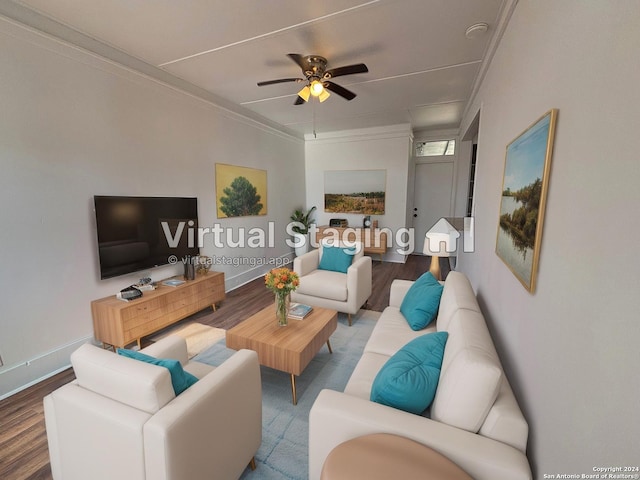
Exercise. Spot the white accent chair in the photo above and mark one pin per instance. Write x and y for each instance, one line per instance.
(339, 291)
(121, 418)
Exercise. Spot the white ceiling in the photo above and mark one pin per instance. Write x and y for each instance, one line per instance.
(422, 68)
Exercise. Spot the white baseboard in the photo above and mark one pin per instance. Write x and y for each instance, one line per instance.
(16, 378)
(231, 283)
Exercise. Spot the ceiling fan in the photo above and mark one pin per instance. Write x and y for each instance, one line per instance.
(318, 78)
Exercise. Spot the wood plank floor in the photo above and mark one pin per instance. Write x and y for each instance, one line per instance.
(23, 443)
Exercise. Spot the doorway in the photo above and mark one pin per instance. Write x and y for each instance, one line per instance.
(433, 196)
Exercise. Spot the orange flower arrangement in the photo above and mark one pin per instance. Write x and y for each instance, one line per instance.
(281, 280)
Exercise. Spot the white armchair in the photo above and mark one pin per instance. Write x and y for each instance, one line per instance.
(121, 418)
(329, 289)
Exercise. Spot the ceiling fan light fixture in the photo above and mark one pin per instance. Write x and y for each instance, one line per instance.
(305, 93)
(316, 88)
(324, 95)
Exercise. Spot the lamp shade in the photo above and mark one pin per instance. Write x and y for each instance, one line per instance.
(305, 93)
(441, 240)
(323, 96)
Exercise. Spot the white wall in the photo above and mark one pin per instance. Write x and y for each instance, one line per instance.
(571, 348)
(368, 149)
(73, 126)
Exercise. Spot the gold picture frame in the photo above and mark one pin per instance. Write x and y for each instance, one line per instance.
(240, 191)
(525, 183)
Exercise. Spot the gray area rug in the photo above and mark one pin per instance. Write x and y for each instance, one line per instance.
(284, 452)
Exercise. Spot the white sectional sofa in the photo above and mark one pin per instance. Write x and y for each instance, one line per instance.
(474, 419)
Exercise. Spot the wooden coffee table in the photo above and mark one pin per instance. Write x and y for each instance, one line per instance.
(288, 349)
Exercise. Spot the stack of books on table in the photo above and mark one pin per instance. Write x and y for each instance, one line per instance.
(298, 311)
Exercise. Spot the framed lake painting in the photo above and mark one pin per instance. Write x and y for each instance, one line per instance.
(524, 191)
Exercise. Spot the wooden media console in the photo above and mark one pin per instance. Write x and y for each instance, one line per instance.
(118, 323)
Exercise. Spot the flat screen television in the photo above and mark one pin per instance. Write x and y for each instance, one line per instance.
(138, 233)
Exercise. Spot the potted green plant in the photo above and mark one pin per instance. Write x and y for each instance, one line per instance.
(301, 223)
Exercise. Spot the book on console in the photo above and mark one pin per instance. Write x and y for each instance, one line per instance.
(298, 311)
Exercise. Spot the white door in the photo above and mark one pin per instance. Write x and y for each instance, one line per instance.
(433, 194)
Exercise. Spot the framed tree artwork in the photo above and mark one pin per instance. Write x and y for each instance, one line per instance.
(240, 191)
(524, 192)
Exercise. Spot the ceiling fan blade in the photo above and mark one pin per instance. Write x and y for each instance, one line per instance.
(348, 70)
(299, 101)
(299, 59)
(280, 80)
(343, 92)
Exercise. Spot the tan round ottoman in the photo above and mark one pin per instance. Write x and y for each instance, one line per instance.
(385, 456)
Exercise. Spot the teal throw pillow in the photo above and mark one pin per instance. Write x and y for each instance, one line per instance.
(409, 379)
(422, 301)
(336, 259)
(180, 379)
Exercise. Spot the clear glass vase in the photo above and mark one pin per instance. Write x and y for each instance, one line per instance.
(283, 303)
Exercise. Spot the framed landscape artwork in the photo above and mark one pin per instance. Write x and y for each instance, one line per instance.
(524, 191)
(240, 191)
(354, 191)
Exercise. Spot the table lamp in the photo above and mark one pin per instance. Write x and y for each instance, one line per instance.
(441, 241)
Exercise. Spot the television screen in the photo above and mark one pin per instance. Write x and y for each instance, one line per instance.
(138, 233)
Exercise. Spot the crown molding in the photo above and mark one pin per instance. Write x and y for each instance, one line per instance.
(506, 11)
(23, 16)
(372, 133)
